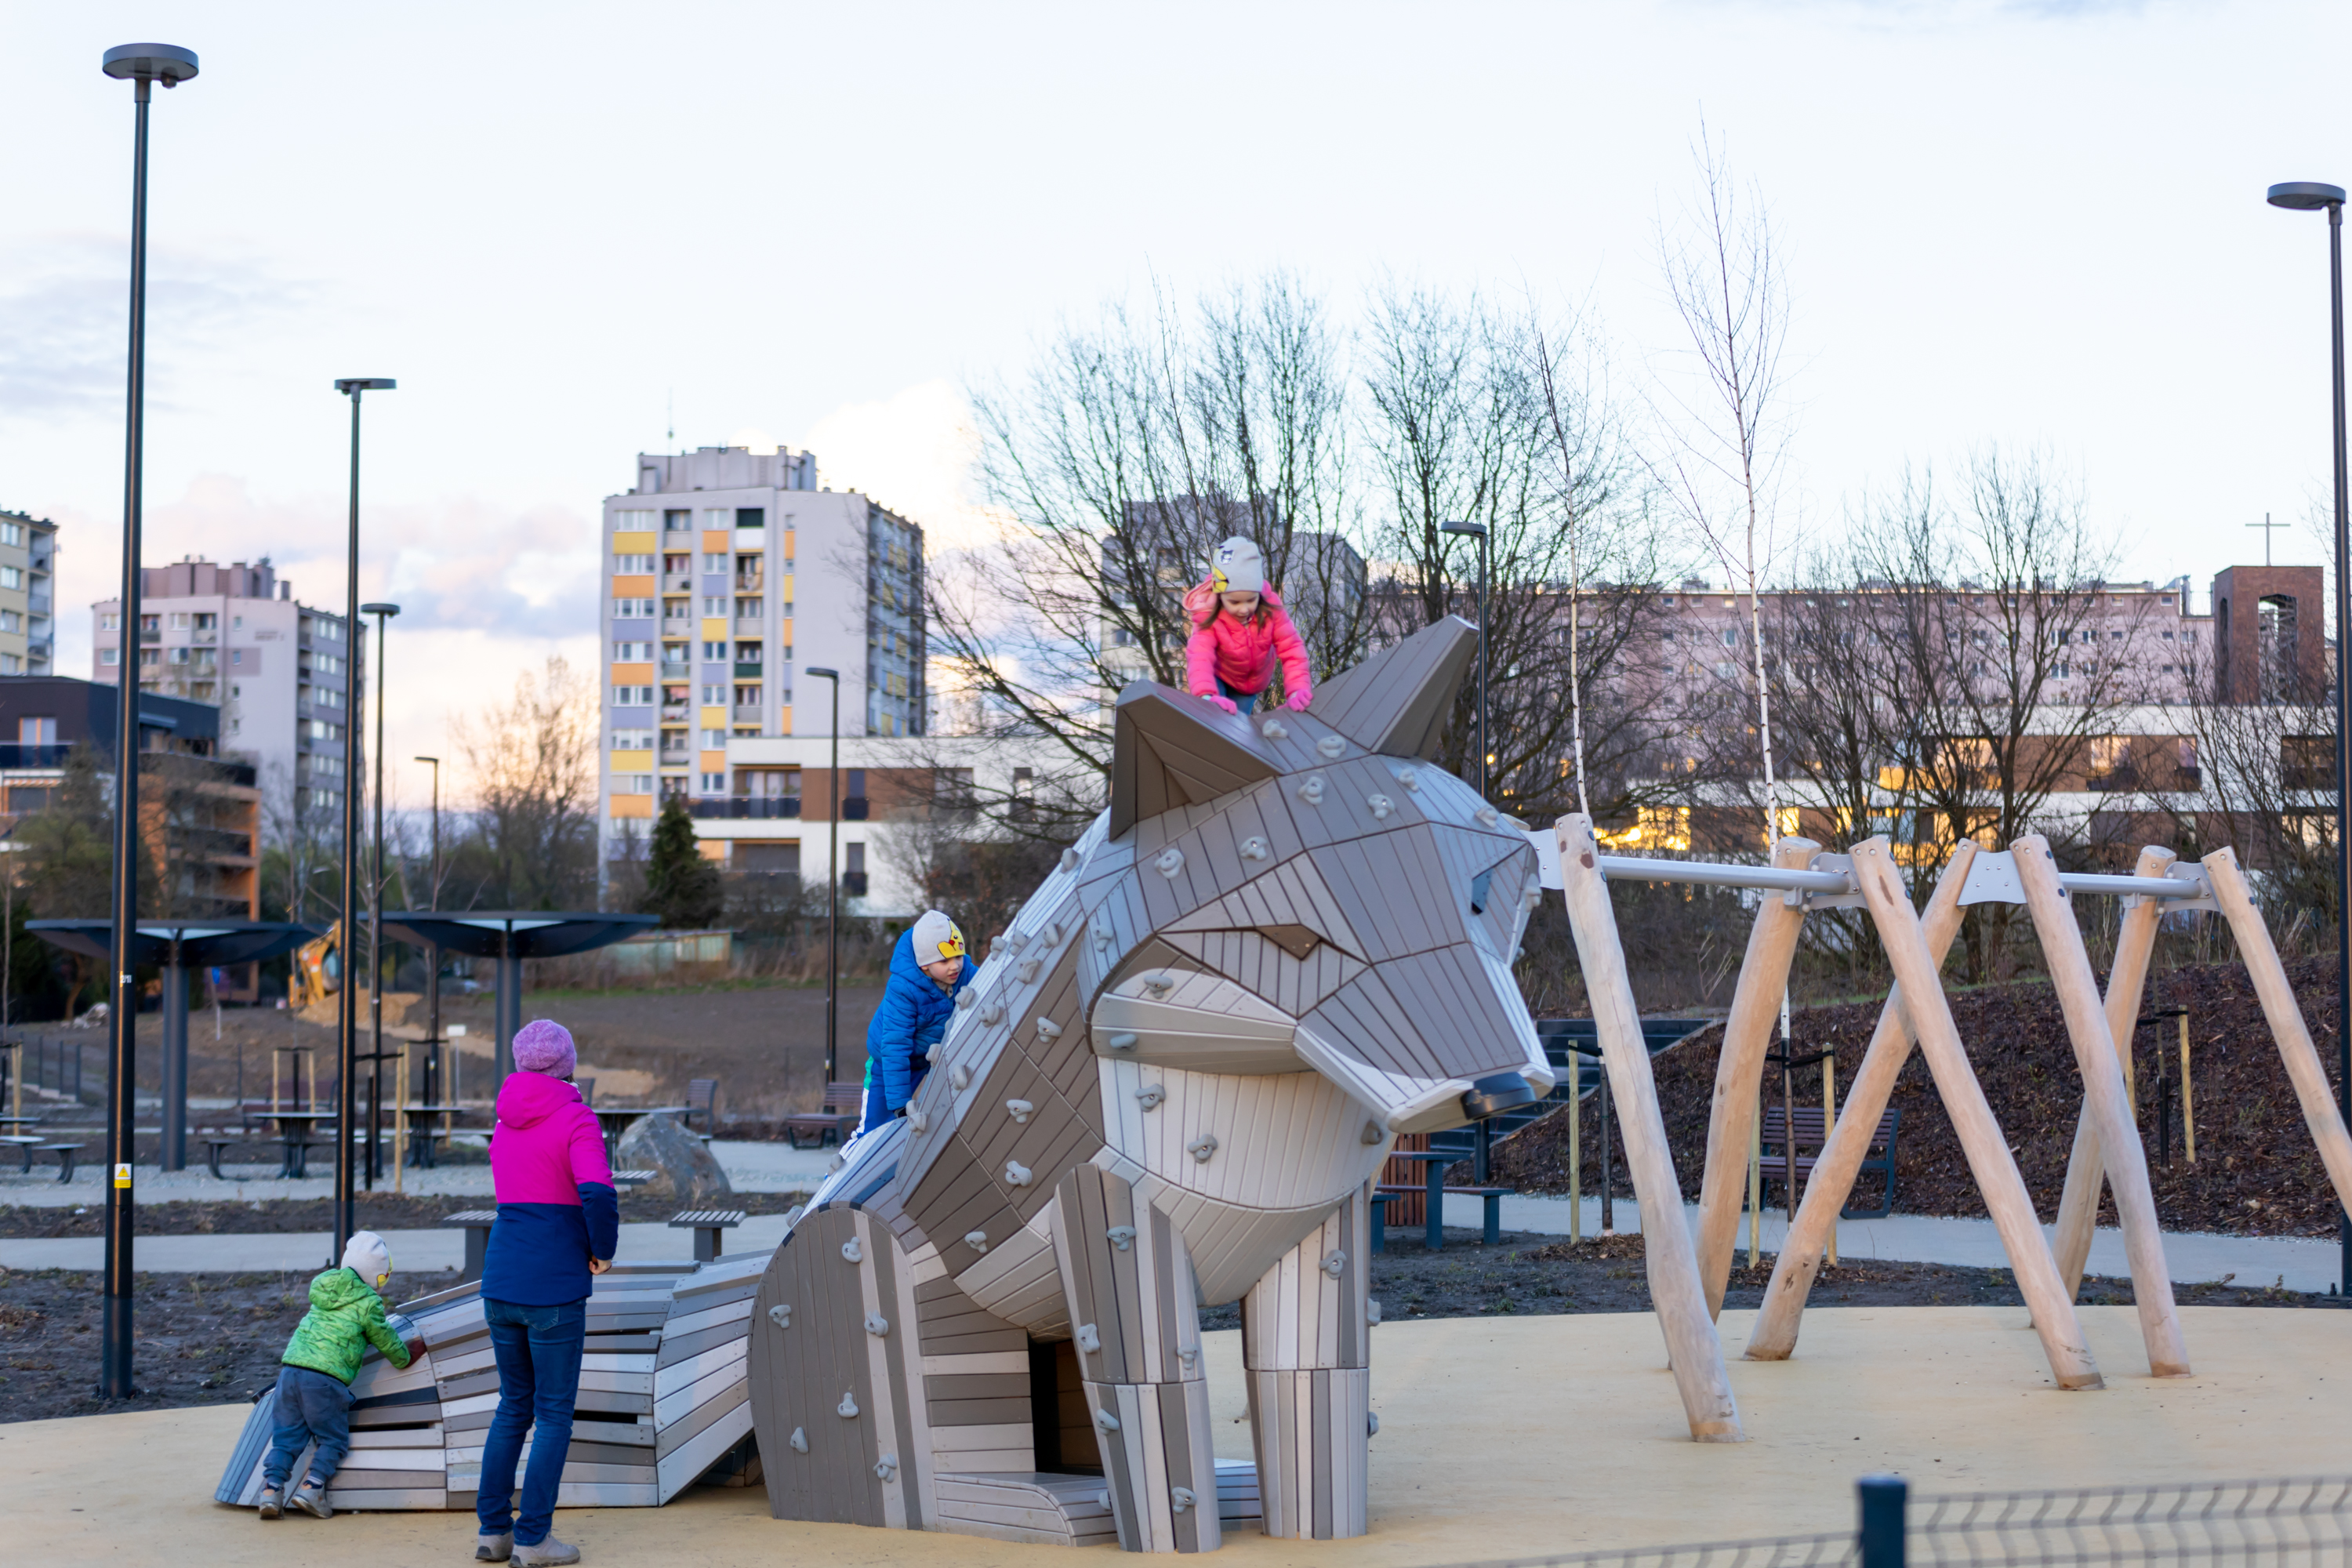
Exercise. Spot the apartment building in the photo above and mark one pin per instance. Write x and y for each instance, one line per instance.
(728, 570)
(236, 637)
(29, 558)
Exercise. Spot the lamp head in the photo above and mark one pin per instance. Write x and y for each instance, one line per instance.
(1468, 530)
(435, 760)
(823, 674)
(385, 610)
(2306, 195)
(353, 385)
(166, 63)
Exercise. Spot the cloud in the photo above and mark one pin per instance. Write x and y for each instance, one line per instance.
(915, 452)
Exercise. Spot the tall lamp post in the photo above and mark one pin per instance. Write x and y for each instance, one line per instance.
(432, 954)
(2304, 195)
(1477, 530)
(381, 613)
(143, 65)
(832, 878)
(347, 1021)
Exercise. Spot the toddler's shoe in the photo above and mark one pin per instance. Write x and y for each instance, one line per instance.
(273, 1503)
(312, 1498)
(494, 1548)
(550, 1552)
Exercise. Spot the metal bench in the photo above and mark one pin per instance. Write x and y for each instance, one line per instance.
(1812, 1133)
(25, 1143)
(65, 1153)
(622, 1179)
(707, 1226)
(213, 1148)
(1434, 1229)
(843, 1105)
(702, 1100)
(476, 1224)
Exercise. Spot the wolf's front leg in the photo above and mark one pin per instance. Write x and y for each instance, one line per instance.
(1304, 1342)
(1136, 1317)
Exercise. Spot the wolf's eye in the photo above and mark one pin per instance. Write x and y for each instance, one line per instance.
(1481, 885)
(1294, 939)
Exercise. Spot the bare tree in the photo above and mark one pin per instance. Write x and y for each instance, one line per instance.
(532, 762)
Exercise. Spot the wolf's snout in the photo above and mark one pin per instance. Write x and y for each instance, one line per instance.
(1494, 1094)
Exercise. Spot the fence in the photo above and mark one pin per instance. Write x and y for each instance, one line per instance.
(53, 1062)
(2298, 1523)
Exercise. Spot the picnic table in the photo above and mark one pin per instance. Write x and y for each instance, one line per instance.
(421, 1151)
(294, 1128)
(1433, 1163)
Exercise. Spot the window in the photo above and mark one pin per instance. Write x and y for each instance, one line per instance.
(326, 663)
(632, 652)
(635, 521)
(236, 656)
(750, 517)
(10, 621)
(714, 603)
(632, 695)
(323, 695)
(2168, 637)
(632, 563)
(714, 695)
(719, 517)
(236, 622)
(151, 622)
(714, 739)
(110, 621)
(747, 653)
(179, 617)
(110, 657)
(747, 697)
(632, 784)
(208, 623)
(179, 656)
(714, 784)
(2114, 637)
(714, 561)
(678, 523)
(234, 693)
(715, 651)
(36, 731)
(151, 656)
(320, 730)
(11, 533)
(749, 608)
(632, 609)
(632, 739)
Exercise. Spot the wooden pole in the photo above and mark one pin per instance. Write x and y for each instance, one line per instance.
(2188, 1107)
(2078, 1205)
(2301, 1058)
(1739, 1073)
(1693, 1354)
(1775, 1334)
(1997, 1179)
(1829, 1123)
(1755, 1188)
(2106, 1098)
(1576, 1149)
(400, 1122)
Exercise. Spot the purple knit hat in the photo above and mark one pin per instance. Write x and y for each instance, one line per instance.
(545, 1045)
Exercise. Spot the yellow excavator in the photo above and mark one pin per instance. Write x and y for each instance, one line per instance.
(317, 970)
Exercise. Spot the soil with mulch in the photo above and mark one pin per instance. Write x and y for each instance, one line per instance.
(281, 1217)
(2258, 1172)
(1543, 1274)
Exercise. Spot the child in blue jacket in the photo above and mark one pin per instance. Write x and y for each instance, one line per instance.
(927, 969)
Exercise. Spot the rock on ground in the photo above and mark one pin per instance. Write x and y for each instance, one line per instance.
(683, 1168)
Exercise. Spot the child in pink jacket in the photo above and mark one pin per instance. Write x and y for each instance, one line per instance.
(1239, 631)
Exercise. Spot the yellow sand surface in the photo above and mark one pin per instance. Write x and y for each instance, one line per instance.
(1499, 1438)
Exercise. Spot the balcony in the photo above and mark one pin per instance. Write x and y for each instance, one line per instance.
(748, 670)
(749, 626)
(760, 808)
(751, 583)
(853, 809)
(151, 634)
(747, 714)
(678, 582)
(674, 713)
(677, 672)
(853, 884)
(19, 754)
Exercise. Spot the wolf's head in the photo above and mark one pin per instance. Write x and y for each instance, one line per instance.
(1308, 891)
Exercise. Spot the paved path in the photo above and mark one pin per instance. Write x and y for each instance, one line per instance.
(2299, 1262)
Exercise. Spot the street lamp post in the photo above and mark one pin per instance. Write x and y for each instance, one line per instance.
(381, 613)
(832, 880)
(2304, 195)
(432, 954)
(143, 65)
(1477, 530)
(346, 1013)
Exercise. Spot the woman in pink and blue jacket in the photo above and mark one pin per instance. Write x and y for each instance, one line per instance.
(559, 1224)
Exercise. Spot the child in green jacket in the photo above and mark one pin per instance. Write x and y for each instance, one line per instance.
(314, 1389)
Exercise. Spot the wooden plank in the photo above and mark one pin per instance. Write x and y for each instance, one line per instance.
(1739, 1069)
(1692, 1351)
(1989, 1162)
(1774, 1337)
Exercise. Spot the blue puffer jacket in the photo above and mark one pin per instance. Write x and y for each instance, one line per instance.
(912, 1019)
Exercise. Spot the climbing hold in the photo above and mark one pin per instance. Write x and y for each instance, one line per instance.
(1201, 1148)
(1121, 1237)
(991, 1014)
(852, 1252)
(877, 1324)
(1027, 970)
(1311, 791)
(919, 1119)
(1372, 1425)
(1372, 1311)
(1335, 1263)
(1533, 897)
(1254, 848)
(799, 1441)
(1410, 778)
(886, 1465)
(1106, 1421)
(1051, 935)
(1158, 984)
(1372, 1133)
(1330, 746)
(1180, 1499)
(1486, 817)
(1048, 1030)
(1016, 1174)
(1019, 1110)
(847, 1408)
(966, 998)
(976, 1239)
(1089, 1339)
(1381, 805)
(1170, 861)
(780, 1314)
(1188, 1354)
(1272, 730)
(1151, 1094)
(1122, 1041)
(1104, 936)
(1069, 859)
(960, 1075)
(793, 1214)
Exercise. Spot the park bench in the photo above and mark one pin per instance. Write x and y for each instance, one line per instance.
(844, 1104)
(476, 1223)
(1434, 1209)
(65, 1153)
(702, 1100)
(1811, 1134)
(626, 1179)
(214, 1149)
(25, 1143)
(709, 1225)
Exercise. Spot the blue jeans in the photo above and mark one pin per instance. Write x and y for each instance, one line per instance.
(1242, 701)
(312, 1407)
(538, 1349)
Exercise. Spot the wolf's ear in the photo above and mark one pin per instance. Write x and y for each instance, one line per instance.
(1397, 702)
(1170, 750)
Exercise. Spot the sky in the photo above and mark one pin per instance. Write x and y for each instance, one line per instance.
(569, 230)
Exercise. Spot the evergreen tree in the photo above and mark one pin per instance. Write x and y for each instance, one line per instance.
(680, 885)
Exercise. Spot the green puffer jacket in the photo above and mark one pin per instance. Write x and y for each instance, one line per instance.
(346, 1316)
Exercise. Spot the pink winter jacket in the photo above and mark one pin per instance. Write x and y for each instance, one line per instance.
(1243, 654)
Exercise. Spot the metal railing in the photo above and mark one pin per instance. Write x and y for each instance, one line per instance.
(760, 807)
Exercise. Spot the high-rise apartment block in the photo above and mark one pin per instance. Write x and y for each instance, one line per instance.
(728, 569)
(235, 637)
(28, 560)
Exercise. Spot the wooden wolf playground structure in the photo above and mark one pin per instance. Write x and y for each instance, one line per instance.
(989, 1323)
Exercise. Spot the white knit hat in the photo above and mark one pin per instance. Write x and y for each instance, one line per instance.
(937, 938)
(1238, 568)
(366, 1256)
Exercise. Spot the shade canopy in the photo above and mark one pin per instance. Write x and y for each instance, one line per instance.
(515, 933)
(202, 943)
